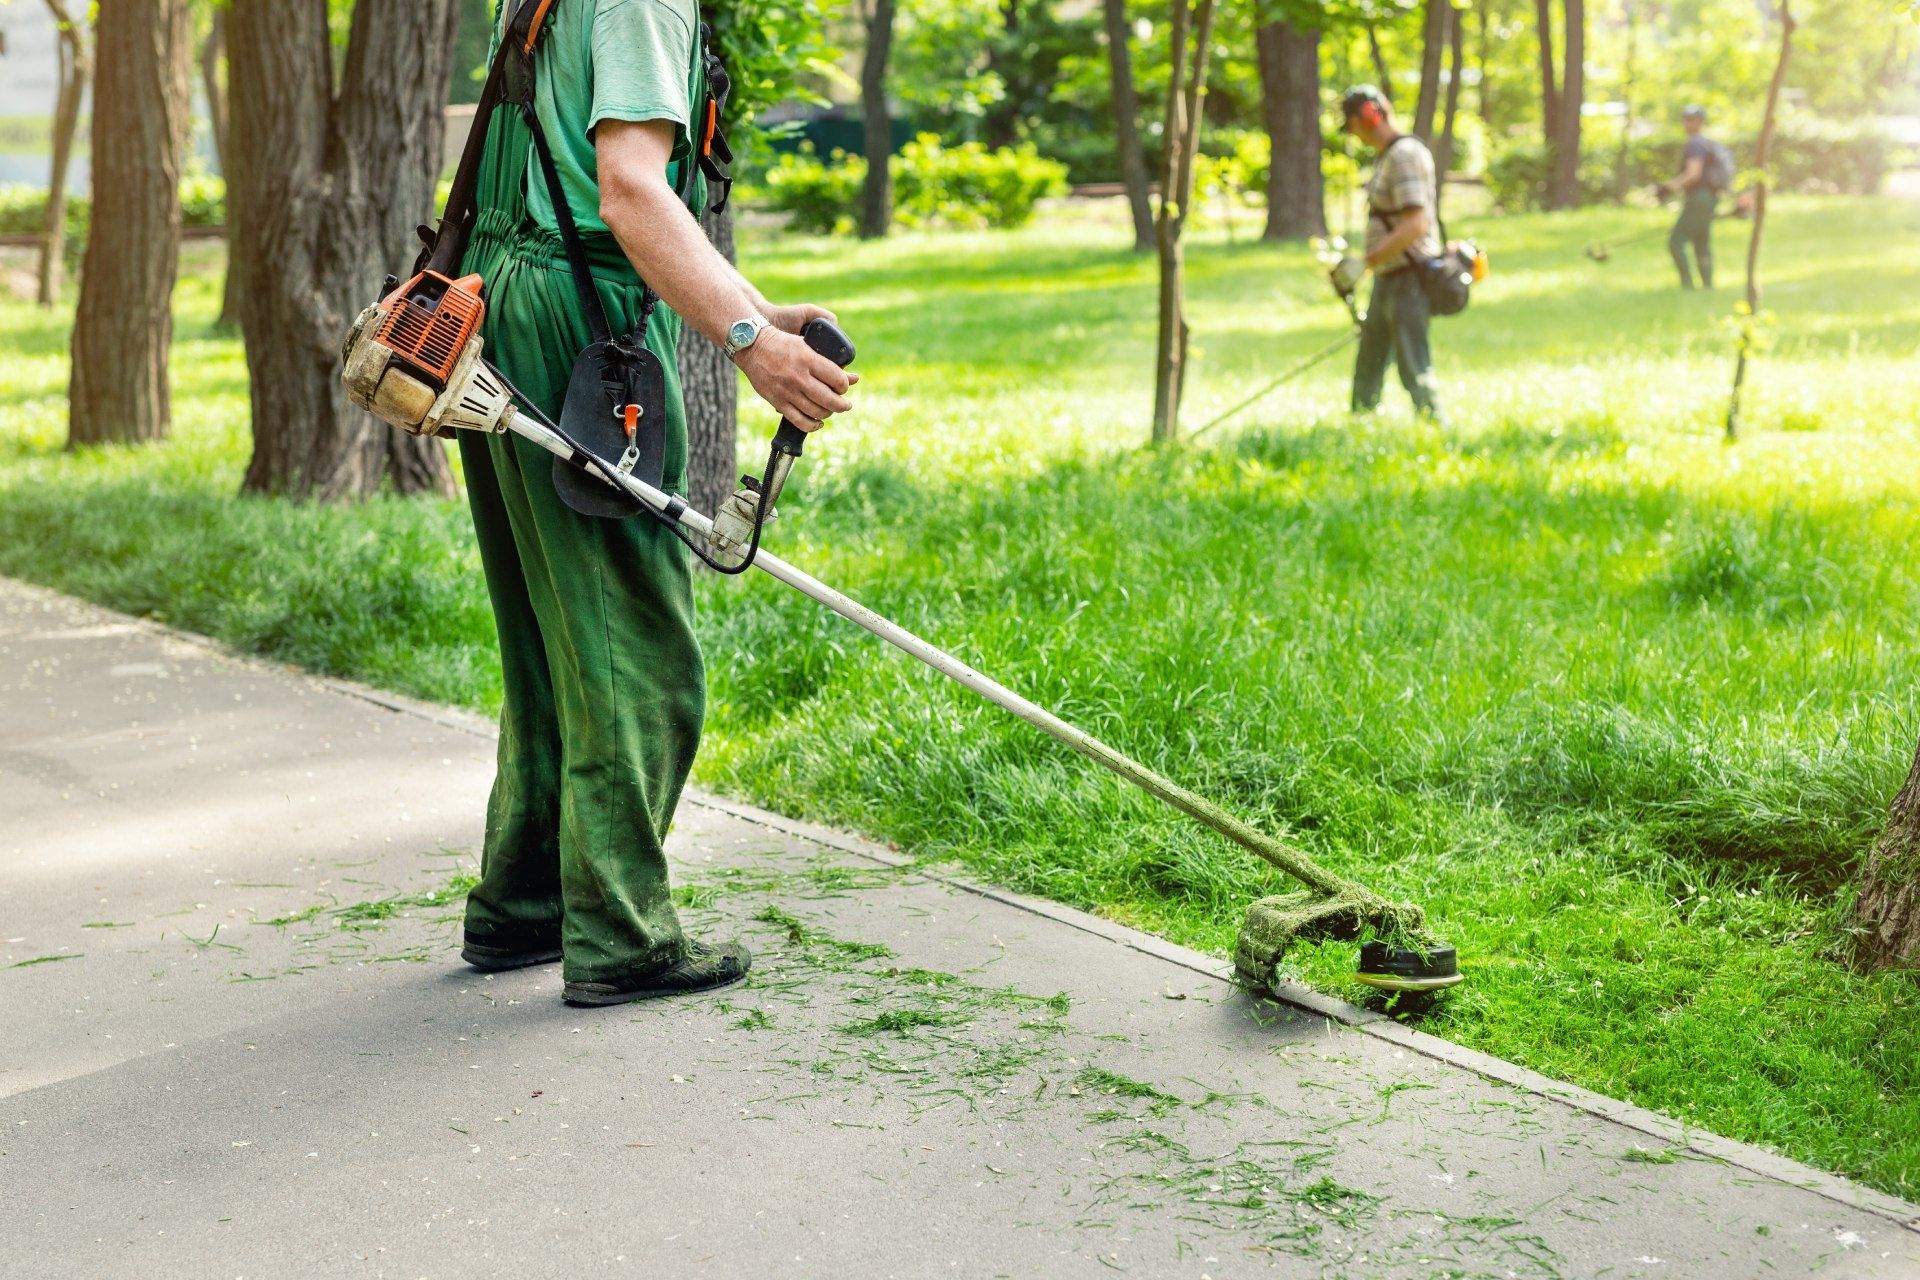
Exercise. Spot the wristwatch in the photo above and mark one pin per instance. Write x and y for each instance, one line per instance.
(742, 334)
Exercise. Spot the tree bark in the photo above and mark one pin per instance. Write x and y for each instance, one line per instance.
(1186, 96)
(1000, 122)
(1886, 916)
(1564, 190)
(712, 391)
(212, 54)
(1126, 125)
(1456, 44)
(1290, 108)
(1433, 44)
(1480, 61)
(1382, 72)
(1763, 156)
(124, 324)
(75, 69)
(1549, 78)
(324, 197)
(876, 196)
(1622, 161)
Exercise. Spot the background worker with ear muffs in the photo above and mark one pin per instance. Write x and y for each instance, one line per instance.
(604, 685)
(1402, 233)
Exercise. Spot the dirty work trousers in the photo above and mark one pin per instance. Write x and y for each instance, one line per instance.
(1396, 327)
(604, 688)
(1694, 227)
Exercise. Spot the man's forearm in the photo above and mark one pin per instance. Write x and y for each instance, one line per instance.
(1401, 238)
(672, 253)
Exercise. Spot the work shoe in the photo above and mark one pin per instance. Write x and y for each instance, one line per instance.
(496, 959)
(703, 968)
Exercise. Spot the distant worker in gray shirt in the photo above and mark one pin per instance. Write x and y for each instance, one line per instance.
(1706, 169)
(1402, 233)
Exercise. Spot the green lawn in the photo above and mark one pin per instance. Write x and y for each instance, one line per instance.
(1623, 706)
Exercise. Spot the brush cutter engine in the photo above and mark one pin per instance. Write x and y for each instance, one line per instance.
(413, 359)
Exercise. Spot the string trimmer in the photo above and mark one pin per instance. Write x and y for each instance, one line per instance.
(1602, 250)
(1329, 252)
(414, 359)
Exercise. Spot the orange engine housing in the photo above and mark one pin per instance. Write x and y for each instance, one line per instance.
(429, 321)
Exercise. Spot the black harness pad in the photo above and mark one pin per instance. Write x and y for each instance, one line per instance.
(606, 377)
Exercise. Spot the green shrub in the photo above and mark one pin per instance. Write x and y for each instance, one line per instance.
(970, 186)
(24, 208)
(822, 197)
(203, 203)
(1517, 175)
(203, 200)
(1809, 154)
(965, 185)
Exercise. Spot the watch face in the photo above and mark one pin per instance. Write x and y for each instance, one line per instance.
(742, 334)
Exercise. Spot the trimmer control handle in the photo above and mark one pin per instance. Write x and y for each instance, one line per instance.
(827, 338)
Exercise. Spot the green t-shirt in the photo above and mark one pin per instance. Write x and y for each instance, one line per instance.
(610, 60)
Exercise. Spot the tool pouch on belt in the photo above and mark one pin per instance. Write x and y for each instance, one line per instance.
(616, 409)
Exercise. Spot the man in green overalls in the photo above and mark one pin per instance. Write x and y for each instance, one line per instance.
(604, 688)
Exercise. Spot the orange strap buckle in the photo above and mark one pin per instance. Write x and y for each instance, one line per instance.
(630, 413)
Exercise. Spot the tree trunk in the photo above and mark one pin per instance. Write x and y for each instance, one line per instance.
(1290, 108)
(1623, 160)
(1000, 121)
(1564, 190)
(1456, 44)
(1381, 71)
(75, 69)
(1433, 43)
(1126, 125)
(1186, 96)
(1763, 156)
(1886, 916)
(212, 54)
(323, 200)
(712, 391)
(1480, 60)
(124, 324)
(876, 196)
(1549, 86)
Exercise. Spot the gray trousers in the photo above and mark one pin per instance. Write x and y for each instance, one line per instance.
(1396, 326)
(1695, 227)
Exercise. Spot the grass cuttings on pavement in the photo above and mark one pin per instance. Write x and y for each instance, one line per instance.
(1620, 706)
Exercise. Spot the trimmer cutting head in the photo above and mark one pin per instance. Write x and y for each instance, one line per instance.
(1408, 969)
(1274, 924)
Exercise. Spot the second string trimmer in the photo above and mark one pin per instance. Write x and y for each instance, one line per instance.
(399, 366)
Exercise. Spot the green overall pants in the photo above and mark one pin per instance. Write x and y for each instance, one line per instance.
(604, 688)
(1695, 227)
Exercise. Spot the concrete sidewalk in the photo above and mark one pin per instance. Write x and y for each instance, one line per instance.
(235, 1040)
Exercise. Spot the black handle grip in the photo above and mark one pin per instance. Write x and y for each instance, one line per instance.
(827, 338)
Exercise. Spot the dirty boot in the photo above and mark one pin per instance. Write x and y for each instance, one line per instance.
(703, 968)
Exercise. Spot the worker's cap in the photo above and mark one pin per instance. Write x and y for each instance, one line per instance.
(1361, 95)
(1694, 111)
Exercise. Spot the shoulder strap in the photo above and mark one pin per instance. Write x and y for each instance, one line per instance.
(716, 154)
(510, 82)
(447, 244)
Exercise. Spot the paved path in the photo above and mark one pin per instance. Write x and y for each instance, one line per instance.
(235, 1040)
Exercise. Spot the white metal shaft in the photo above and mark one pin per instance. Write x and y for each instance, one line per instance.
(1289, 859)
